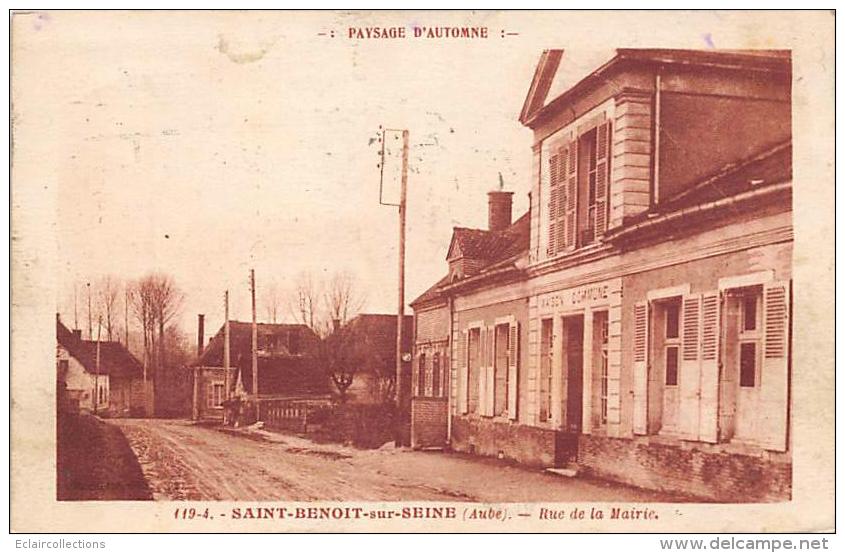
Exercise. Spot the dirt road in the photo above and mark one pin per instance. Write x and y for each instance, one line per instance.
(184, 461)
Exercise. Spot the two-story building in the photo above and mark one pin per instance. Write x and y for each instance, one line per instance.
(648, 315)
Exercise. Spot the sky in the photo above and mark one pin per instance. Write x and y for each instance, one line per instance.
(205, 144)
(203, 147)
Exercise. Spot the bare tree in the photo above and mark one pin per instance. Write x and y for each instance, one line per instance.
(342, 298)
(305, 302)
(272, 300)
(155, 301)
(140, 297)
(166, 302)
(107, 292)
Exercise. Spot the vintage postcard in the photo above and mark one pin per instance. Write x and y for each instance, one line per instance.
(462, 271)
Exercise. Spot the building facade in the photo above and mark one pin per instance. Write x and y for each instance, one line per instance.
(102, 378)
(286, 366)
(644, 321)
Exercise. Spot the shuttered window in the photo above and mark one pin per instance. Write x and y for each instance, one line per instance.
(435, 375)
(641, 368)
(421, 375)
(579, 190)
(555, 190)
(513, 369)
(500, 369)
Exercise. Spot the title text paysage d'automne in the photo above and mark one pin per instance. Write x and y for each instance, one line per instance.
(416, 32)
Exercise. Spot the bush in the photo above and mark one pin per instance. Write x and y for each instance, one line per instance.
(365, 426)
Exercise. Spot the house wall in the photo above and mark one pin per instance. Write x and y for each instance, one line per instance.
(204, 377)
(429, 424)
(761, 246)
(80, 383)
(430, 405)
(470, 431)
(701, 134)
(679, 468)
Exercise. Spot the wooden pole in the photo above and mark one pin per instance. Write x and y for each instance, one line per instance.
(400, 400)
(226, 354)
(254, 345)
(126, 317)
(90, 326)
(97, 367)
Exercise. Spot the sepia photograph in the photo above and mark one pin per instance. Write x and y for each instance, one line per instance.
(301, 268)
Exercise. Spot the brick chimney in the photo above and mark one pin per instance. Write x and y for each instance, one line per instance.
(200, 333)
(499, 209)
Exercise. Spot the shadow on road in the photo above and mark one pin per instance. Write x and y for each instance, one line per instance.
(94, 461)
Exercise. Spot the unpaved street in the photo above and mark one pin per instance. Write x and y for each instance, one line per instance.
(185, 461)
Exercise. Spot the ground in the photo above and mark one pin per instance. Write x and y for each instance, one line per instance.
(94, 461)
(181, 460)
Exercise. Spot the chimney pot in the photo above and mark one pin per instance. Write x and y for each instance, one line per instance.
(499, 209)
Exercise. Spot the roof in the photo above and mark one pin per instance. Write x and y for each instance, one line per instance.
(290, 376)
(285, 362)
(115, 359)
(541, 83)
(770, 166)
(381, 328)
(492, 246)
(274, 340)
(777, 61)
(433, 292)
(767, 173)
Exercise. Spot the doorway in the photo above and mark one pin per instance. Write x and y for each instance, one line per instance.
(573, 359)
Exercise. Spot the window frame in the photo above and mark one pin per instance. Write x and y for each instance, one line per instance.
(421, 368)
(672, 342)
(750, 336)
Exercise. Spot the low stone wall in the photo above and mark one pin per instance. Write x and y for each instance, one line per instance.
(718, 476)
(524, 444)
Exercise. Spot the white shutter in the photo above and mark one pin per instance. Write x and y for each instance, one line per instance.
(571, 184)
(709, 401)
(689, 379)
(482, 373)
(490, 378)
(603, 156)
(513, 368)
(774, 381)
(463, 374)
(641, 368)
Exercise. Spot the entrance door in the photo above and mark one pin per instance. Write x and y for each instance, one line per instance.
(573, 351)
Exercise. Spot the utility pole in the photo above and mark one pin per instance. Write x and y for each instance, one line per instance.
(75, 311)
(90, 326)
(254, 346)
(97, 366)
(226, 344)
(126, 316)
(401, 438)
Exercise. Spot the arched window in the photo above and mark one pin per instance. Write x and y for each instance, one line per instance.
(421, 375)
(435, 375)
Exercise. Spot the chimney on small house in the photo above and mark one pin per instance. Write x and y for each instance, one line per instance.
(499, 207)
(77, 334)
(335, 324)
(200, 333)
